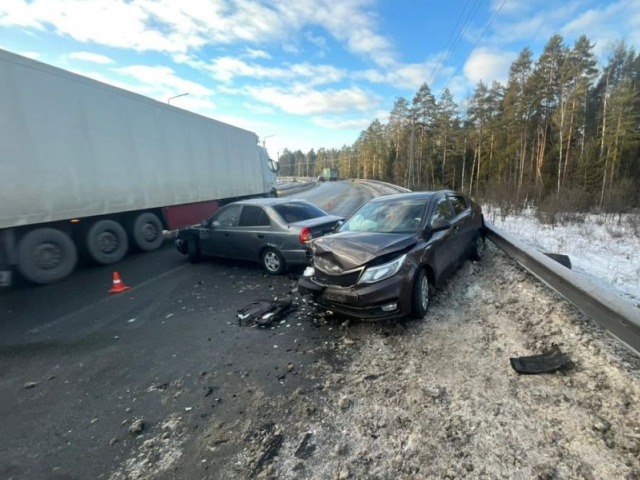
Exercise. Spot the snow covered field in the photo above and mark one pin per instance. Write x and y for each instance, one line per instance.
(604, 247)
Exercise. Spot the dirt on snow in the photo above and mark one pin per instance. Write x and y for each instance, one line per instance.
(437, 398)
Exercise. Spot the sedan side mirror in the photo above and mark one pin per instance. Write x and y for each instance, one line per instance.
(440, 225)
(436, 226)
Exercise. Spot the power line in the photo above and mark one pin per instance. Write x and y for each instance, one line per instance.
(477, 41)
(446, 46)
(472, 12)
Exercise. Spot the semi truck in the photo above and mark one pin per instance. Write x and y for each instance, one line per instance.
(88, 170)
(330, 173)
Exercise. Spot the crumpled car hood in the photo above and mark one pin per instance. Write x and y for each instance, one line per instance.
(353, 249)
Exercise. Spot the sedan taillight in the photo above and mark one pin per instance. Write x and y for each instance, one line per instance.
(305, 235)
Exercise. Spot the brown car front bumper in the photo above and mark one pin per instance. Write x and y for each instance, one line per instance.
(363, 301)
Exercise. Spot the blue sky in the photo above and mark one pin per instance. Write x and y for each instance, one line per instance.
(302, 74)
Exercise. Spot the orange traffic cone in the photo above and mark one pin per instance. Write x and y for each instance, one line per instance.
(118, 286)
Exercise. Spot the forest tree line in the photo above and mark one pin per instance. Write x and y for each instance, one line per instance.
(561, 132)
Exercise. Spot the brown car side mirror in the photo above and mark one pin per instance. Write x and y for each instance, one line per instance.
(436, 226)
(439, 225)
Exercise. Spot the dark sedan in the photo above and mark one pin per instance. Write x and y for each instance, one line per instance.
(274, 231)
(385, 259)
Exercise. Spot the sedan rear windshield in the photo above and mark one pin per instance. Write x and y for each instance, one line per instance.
(297, 212)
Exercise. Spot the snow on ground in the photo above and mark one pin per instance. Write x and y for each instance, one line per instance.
(438, 398)
(606, 248)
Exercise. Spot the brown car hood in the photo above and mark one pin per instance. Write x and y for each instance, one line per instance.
(350, 249)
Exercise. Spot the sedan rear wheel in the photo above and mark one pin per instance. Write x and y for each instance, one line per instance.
(420, 295)
(273, 261)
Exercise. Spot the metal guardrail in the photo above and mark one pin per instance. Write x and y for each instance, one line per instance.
(620, 318)
(385, 184)
(293, 187)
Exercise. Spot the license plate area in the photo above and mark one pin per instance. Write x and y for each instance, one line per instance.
(334, 297)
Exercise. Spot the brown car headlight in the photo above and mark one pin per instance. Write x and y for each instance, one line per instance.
(380, 272)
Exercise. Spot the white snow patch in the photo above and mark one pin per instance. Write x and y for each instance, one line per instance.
(606, 248)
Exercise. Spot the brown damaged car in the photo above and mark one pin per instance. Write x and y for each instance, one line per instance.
(386, 258)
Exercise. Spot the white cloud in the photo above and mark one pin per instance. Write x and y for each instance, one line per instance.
(338, 123)
(179, 27)
(90, 57)
(617, 21)
(408, 76)
(259, 109)
(317, 40)
(159, 83)
(300, 99)
(486, 65)
(18, 13)
(227, 69)
(254, 53)
(535, 26)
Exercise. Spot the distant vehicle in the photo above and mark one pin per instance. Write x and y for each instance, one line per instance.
(91, 168)
(330, 174)
(321, 178)
(272, 231)
(386, 258)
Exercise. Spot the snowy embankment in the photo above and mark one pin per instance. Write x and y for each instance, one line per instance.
(606, 248)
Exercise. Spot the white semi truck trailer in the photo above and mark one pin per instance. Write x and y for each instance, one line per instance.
(90, 169)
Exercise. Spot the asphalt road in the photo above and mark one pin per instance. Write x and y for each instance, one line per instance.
(78, 365)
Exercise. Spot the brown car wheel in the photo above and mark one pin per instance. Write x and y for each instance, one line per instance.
(421, 295)
(478, 248)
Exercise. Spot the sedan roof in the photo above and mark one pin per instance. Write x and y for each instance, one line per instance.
(269, 201)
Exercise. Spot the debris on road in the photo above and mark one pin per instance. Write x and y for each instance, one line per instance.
(264, 312)
(306, 447)
(544, 363)
(136, 427)
(30, 385)
(562, 259)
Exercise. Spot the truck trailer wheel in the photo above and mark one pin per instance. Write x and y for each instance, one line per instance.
(106, 242)
(46, 255)
(145, 232)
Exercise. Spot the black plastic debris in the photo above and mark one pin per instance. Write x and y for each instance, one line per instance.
(544, 363)
(306, 447)
(562, 259)
(264, 312)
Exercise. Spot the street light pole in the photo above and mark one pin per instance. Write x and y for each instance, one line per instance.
(181, 95)
(265, 139)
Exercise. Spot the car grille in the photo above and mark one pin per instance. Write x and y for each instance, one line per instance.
(344, 280)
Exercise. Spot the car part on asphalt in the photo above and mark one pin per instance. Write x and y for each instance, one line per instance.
(263, 313)
(562, 259)
(546, 362)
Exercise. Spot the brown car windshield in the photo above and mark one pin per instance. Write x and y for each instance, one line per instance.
(386, 217)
